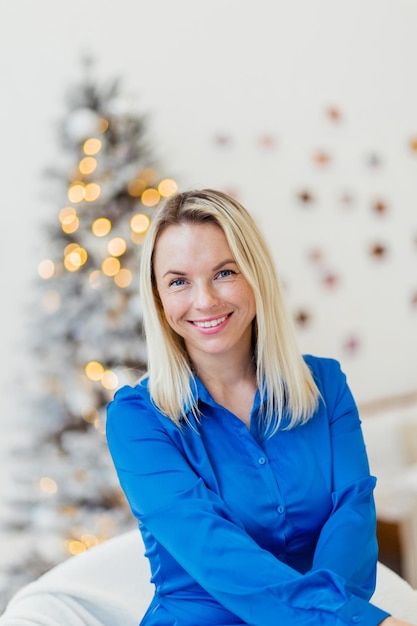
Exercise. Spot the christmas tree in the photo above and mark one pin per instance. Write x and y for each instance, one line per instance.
(86, 333)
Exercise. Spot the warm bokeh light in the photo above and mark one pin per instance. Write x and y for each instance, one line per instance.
(92, 146)
(110, 266)
(69, 219)
(136, 187)
(101, 227)
(51, 301)
(96, 279)
(75, 257)
(89, 540)
(76, 192)
(48, 485)
(94, 370)
(117, 246)
(72, 227)
(167, 187)
(70, 248)
(87, 165)
(92, 192)
(102, 125)
(75, 547)
(109, 380)
(140, 223)
(123, 278)
(150, 197)
(46, 269)
(67, 214)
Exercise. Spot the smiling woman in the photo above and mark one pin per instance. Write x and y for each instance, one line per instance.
(243, 461)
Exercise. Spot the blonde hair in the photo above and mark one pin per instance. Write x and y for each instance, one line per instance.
(284, 380)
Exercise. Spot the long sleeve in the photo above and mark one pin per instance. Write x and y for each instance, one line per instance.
(195, 526)
(347, 544)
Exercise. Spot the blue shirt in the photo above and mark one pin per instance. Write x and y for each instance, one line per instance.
(241, 529)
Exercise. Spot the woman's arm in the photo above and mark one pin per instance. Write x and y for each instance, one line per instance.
(347, 544)
(201, 533)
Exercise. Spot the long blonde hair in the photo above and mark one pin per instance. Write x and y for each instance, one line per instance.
(284, 380)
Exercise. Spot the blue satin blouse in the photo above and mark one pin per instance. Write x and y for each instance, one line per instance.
(241, 529)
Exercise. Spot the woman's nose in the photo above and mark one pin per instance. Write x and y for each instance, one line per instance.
(205, 296)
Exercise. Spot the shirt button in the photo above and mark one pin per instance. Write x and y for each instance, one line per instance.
(262, 460)
(356, 619)
(280, 510)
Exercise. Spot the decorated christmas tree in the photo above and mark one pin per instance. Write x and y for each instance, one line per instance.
(85, 332)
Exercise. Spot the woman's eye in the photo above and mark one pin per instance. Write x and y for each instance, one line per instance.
(177, 282)
(226, 273)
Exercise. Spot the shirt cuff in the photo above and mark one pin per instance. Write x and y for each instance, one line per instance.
(362, 612)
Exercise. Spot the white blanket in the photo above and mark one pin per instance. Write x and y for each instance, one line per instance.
(109, 586)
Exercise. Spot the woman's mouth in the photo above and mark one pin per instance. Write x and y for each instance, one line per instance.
(211, 323)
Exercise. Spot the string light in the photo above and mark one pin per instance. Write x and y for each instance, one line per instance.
(117, 246)
(74, 257)
(102, 125)
(109, 380)
(101, 227)
(87, 165)
(110, 266)
(48, 485)
(46, 269)
(123, 278)
(92, 192)
(167, 187)
(94, 370)
(89, 540)
(72, 226)
(150, 197)
(75, 547)
(136, 187)
(140, 223)
(92, 146)
(76, 192)
(69, 219)
(96, 279)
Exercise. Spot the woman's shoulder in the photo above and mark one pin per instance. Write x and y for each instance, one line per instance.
(327, 373)
(129, 403)
(331, 381)
(132, 393)
(322, 367)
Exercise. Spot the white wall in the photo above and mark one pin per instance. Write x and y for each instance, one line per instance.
(241, 70)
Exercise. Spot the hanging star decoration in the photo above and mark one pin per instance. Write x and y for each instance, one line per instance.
(334, 114)
(302, 317)
(378, 250)
(380, 207)
(321, 158)
(306, 197)
(351, 345)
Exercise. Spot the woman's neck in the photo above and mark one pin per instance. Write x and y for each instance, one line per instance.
(231, 383)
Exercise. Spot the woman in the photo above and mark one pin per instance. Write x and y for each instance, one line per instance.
(243, 462)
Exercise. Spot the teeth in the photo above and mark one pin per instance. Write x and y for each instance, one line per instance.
(211, 323)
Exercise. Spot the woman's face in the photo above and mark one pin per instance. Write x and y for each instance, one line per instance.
(206, 299)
